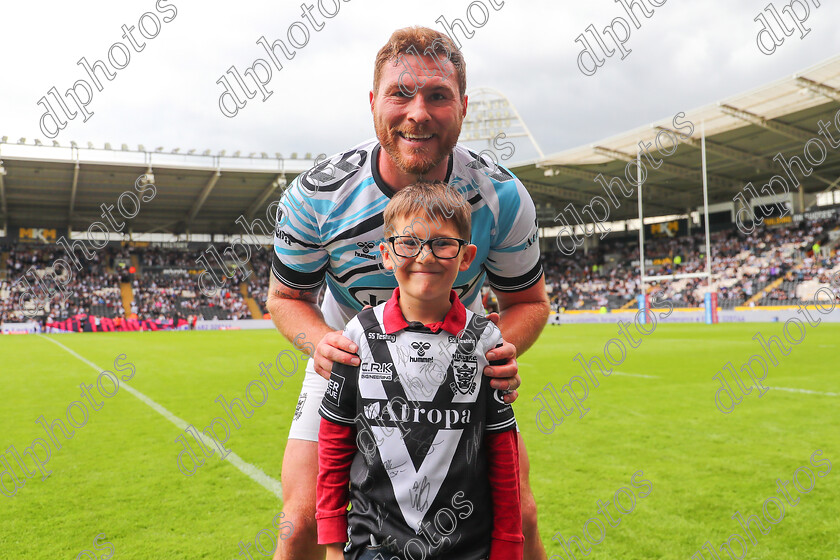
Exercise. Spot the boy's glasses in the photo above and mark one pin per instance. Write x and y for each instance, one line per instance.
(442, 247)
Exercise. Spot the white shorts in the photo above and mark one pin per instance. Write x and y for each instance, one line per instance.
(306, 420)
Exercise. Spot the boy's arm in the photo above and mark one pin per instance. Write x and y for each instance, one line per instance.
(336, 448)
(506, 542)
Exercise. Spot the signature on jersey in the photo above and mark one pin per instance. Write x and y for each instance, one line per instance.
(393, 470)
(473, 443)
(419, 494)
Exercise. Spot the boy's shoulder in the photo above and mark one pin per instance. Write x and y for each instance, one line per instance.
(367, 320)
(486, 333)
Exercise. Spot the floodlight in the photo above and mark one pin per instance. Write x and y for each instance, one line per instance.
(159, 149)
(176, 150)
(73, 144)
(90, 146)
(4, 140)
(191, 152)
(205, 153)
(264, 155)
(294, 155)
(22, 141)
(141, 147)
(56, 144)
(236, 153)
(107, 145)
(37, 142)
(124, 147)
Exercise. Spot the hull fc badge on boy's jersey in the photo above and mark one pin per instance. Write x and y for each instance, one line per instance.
(465, 369)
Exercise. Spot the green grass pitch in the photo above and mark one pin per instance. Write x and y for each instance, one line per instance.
(118, 474)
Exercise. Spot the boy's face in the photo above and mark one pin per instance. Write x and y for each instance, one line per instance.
(426, 277)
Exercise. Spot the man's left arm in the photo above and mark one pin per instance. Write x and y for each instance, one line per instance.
(523, 315)
(516, 277)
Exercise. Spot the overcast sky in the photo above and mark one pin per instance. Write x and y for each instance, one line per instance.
(688, 54)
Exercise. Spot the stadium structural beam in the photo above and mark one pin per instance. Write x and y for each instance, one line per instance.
(727, 152)
(566, 195)
(819, 88)
(663, 192)
(783, 129)
(678, 170)
(202, 197)
(264, 195)
(73, 190)
(3, 208)
(790, 131)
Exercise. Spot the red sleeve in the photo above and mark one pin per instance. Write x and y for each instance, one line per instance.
(336, 448)
(507, 542)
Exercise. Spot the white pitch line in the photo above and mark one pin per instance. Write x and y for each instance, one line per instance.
(635, 375)
(792, 390)
(252, 471)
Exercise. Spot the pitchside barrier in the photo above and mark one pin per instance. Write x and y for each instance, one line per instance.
(697, 315)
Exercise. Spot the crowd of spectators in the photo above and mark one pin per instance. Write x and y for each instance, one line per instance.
(785, 265)
(742, 266)
(93, 289)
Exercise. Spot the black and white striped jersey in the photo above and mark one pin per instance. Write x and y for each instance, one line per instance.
(421, 407)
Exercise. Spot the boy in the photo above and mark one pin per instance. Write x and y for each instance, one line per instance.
(425, 449)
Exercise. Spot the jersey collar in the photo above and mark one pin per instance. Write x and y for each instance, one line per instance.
(454, 322)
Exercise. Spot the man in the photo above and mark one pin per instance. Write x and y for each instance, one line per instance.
(330, 223)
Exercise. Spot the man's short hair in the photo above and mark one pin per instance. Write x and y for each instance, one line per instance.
(429, 201)
(421, 38)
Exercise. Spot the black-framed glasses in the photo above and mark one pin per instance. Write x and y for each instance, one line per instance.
(407, 246)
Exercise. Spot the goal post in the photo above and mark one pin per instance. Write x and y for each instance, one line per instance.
(710, 297)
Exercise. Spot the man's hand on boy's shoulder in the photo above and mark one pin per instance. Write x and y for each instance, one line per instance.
(334, 347)
(503, 367)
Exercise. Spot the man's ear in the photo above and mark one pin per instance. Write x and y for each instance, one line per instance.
(465, 105)
(467, 256)
(371, 101)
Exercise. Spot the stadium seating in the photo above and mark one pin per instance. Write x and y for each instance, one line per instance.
(771, 267)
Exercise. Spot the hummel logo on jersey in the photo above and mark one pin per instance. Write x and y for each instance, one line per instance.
(366, 246)
(283, 236)
(421, 348)
(375, 370)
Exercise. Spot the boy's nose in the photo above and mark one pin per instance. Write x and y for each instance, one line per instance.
(425, 252)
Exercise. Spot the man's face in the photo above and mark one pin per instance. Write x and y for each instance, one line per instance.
(417, 131)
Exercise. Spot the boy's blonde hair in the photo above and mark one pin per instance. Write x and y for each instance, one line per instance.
(437, 201)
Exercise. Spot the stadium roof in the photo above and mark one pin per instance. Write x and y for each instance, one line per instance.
(59, 187)
(743, 134)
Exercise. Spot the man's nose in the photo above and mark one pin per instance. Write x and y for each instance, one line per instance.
(418, 110)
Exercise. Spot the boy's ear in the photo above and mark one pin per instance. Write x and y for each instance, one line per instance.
(467, 256)
(387, 260)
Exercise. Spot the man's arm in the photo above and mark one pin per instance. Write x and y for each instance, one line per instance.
(295, 312)
(523, 315)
